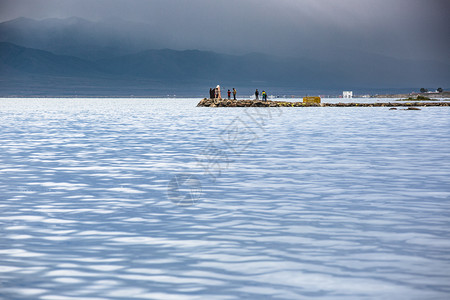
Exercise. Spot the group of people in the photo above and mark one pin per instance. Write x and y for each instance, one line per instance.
(214, 93)
(263, 95)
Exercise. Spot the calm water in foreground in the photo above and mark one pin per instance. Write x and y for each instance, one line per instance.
(159, 199)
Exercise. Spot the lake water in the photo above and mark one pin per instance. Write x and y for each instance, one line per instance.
(159, 199)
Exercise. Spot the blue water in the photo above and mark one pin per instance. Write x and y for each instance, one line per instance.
(159, 199)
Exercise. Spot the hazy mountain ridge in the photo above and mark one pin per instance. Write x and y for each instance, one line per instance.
(197, 65)
(82, 49)
(164, 65)
(40, 62)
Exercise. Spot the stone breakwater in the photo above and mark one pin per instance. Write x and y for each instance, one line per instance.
(257, 103)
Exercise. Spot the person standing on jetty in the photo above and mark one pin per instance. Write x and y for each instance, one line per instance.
(257, 94)
(264, 95)
(211, 93)
(234, 93)
(218, 95)
(229, 94)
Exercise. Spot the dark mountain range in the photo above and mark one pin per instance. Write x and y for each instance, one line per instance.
(121, 47)
(113, 56)
(201, 66)
(22, 61)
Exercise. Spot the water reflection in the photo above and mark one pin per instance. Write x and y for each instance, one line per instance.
(326, 202)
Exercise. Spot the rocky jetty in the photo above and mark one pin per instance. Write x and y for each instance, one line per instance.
(258, 103)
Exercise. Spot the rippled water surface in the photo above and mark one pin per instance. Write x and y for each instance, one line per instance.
(159, 199)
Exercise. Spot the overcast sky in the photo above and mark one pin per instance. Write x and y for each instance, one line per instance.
(414, 29)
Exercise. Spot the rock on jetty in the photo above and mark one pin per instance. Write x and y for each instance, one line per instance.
(258, 103)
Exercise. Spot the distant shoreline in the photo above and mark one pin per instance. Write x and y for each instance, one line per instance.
(433, 96)
(443, 95)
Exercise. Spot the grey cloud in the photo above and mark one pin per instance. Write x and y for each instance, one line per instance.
(413, 29)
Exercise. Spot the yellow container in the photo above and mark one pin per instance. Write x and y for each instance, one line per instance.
(311, 100)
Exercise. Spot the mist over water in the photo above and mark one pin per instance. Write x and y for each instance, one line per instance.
(406, 29)
(290, 203)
